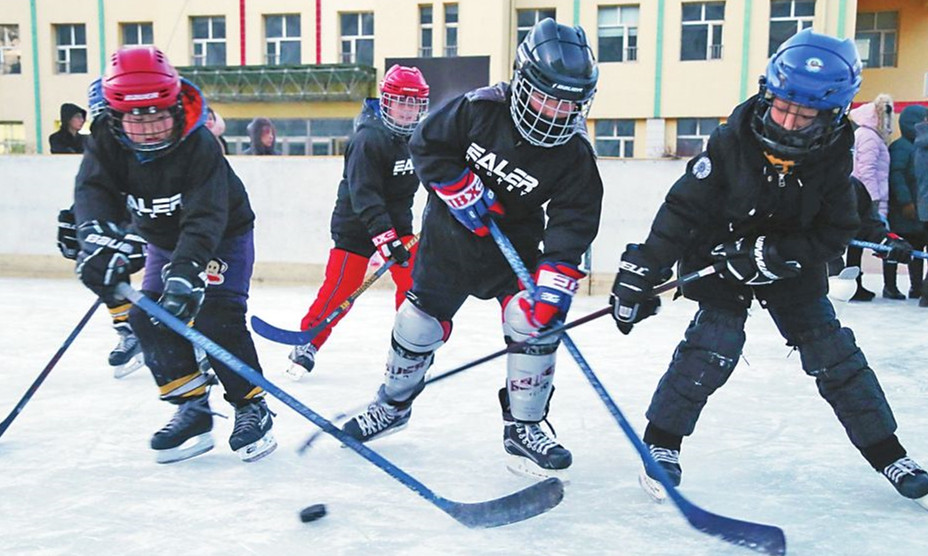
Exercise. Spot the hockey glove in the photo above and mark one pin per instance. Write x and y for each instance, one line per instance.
(391, 246)
(900, 251)
(184, 289)
(556, 284)
(67, 234)
(754, 261)
(107, 256)
(470, 202)
(632, 299)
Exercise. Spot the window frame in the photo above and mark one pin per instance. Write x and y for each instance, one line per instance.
(139, 32)
(713, 51)
(881, 47)
(286, 37)
(627, 52)
(451, 29)
(426, 29)
(626, 142)
(700, 134)
(538, 15)
(351, 55)
(6, 45)
(64, 52)
(202, 60)
(801, 21)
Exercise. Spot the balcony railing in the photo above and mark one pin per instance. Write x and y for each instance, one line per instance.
(325, 82)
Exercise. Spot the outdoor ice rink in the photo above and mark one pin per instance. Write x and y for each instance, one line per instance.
(77, 476)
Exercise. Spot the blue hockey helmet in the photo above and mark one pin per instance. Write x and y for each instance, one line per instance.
(815, 71)
(95, 99)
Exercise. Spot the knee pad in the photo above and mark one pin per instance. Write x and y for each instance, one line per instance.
(830, 352)
(416, 336)
(517, 328)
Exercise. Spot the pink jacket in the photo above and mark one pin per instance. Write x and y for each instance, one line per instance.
(871, 155)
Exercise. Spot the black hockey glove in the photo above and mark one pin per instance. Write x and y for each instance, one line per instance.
(754, 261)
(391, 246)
(632, 299)
(900, 251)
(106, 256)
(184, 289)
(67, 234)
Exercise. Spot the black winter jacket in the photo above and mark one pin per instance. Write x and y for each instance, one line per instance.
(378, 185)
(903, 182)
(731, 191)
(63, 141)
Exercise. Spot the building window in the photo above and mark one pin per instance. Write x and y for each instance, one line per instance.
(618, 33)
(788, 17)
(876, 38)
(296, 136)
(425, 31)
(10, 53)
(451, 30)
(615, 138)
(12, 138)
(693, 133)
(283, 40)
(701, 36)
(357, 38)
(137, 34)
(72, 48)
(526, 19)
(209, 41)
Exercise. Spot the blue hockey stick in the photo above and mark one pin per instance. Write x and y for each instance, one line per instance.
(303, 337)
(756, 536)
(518, 506)
(48, 368)
(883, 248)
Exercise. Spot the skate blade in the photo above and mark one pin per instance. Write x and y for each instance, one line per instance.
(653, 488)
(193, 447)
(525, 467)
(258, 449)
(388, 432)
(295, 372)
(126, 369)
(923, 502)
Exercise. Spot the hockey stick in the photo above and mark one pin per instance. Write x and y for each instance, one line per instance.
(518, 506)
(516, 346)
(756, 536)
(883, 248)
(303, 337)
(48, 368)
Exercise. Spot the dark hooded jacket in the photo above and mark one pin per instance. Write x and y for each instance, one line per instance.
(62, 141)
(903, 182)
(254, 135)
(732, 191)
(378, 185)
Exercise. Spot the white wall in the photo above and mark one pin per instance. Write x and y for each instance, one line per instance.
(293, 199)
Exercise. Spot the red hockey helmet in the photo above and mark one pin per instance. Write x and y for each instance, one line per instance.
(404, 99)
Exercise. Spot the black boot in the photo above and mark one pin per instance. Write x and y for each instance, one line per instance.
(862, 293)
(916, 268)
(890, 290)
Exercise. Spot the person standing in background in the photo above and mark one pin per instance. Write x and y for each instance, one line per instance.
(263, 136)
(68, 140)
(903, 194)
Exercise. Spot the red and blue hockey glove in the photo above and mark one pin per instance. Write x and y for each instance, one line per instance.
(632, 297)
(470, 201)
(555, 286)
(391, 246)
(107, 256)
(900, 251)
(184, 289)
(754, 261)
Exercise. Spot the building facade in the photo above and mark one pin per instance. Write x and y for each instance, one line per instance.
(671, 70)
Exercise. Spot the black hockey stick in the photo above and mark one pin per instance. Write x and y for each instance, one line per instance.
(518, 506)
(516, 346)
(756, 536)
(303, 337)
(48, 368)
(884, 248)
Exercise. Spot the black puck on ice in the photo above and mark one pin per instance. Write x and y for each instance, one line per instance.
(312, 513)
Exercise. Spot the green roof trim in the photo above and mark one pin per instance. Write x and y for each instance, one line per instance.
(322, 82)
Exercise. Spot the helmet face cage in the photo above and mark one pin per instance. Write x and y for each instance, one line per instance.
(795, 144)
(401, 114)
(148, 130)
(542, 119)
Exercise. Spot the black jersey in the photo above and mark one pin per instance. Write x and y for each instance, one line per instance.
(476, 131)
(185, 201)
(378, 185)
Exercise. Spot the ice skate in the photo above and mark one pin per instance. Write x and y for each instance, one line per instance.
(187, 435)
(669, 460)
(127, 356)
(303, 360)
(532, 453)
(909, 480)
(251, 436)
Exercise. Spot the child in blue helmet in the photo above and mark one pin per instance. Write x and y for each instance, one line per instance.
(770, 197)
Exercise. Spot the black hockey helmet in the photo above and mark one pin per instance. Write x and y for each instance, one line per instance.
(553, 83)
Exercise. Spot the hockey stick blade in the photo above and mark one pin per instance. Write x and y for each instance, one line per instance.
(756, 536)
(302, 337)
(521, 505)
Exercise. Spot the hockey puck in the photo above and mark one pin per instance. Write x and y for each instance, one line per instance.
(312, 513)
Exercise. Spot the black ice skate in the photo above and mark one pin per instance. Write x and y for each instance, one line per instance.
(532, 453)
(669, 460)
(251, 436)
(304, 359)
(909, 479)
(127, 356)
(382, 418)
(187, 434)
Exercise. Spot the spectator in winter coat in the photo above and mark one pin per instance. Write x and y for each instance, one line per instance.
(217, 126)
(263, 135)
(903, 192)
(921, 175)
(871, 166)
(67, 140)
